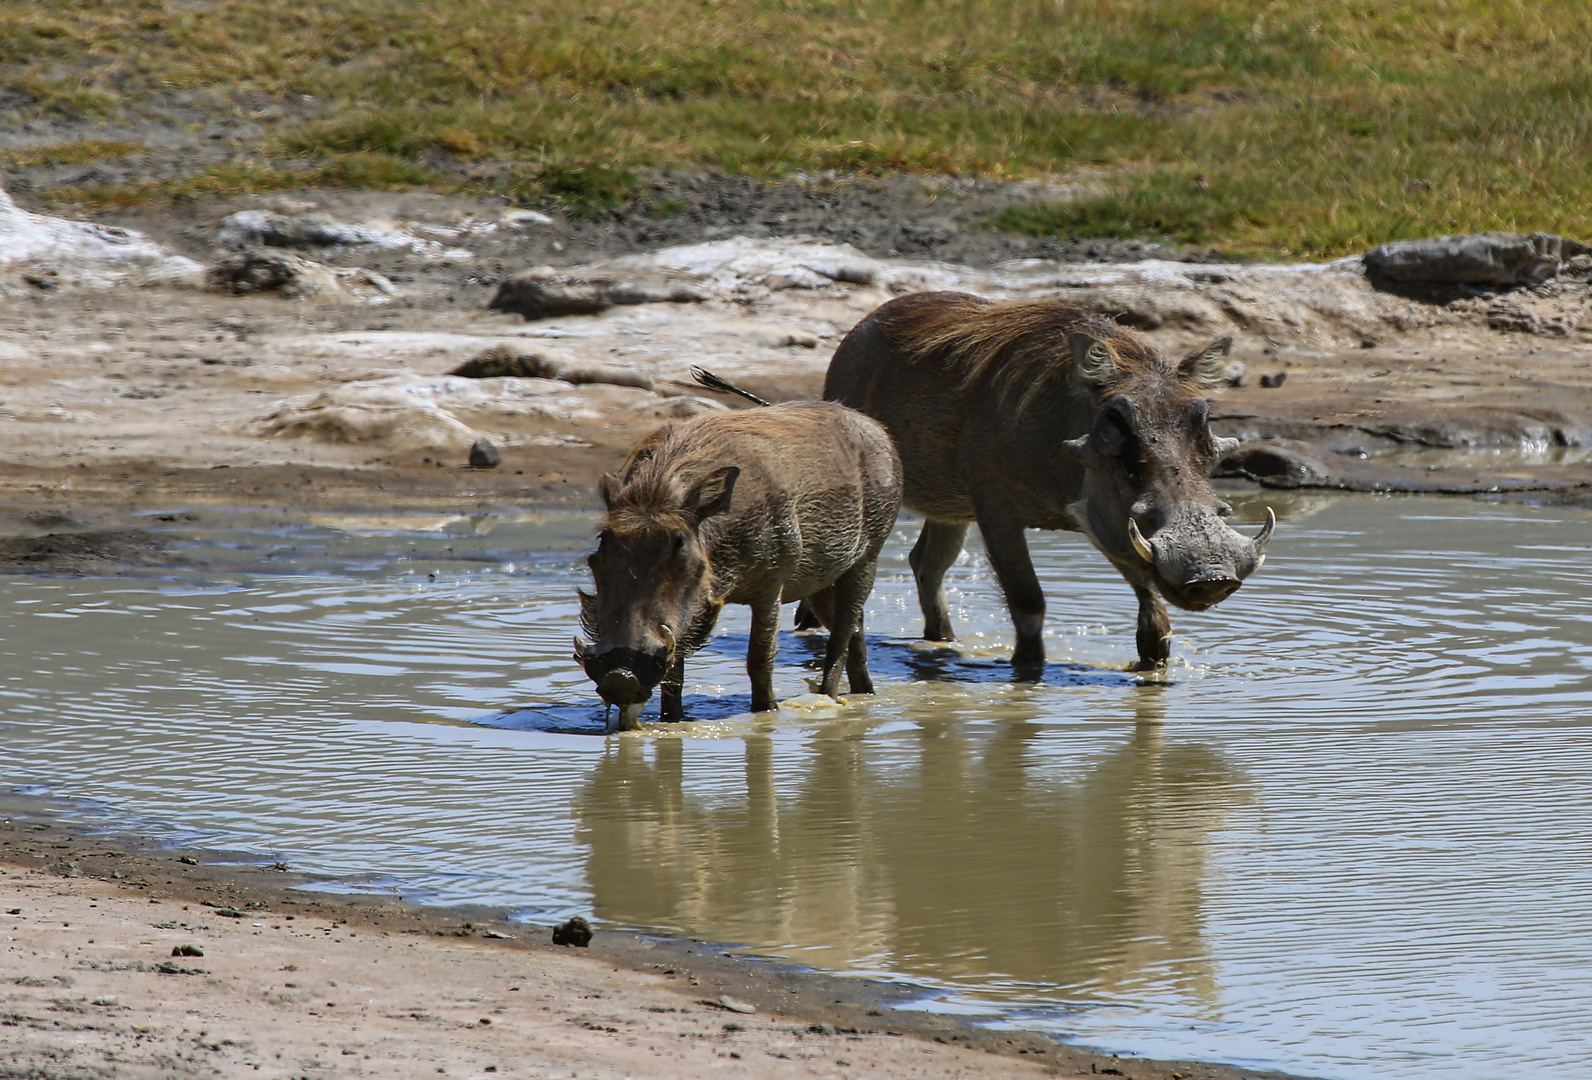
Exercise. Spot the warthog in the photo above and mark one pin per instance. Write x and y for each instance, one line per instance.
(1040, 415)
(759, 507)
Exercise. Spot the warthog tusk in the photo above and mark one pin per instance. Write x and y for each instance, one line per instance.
(1264, 537)
(1140, 544)
(668, 639)
(581, 649)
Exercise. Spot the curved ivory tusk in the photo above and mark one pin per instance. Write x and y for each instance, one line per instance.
(1264, 537)
(582, 647)
(668, 639)
(1140, 544)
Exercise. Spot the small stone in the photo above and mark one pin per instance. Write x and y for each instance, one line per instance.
(1234, 373)
(187, 950)
(576, 932)
(1274, 380)
(64, 869)
(189, 860)
(736, 1005)
(484, 454)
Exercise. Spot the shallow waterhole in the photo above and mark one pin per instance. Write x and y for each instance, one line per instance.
(1348, 835)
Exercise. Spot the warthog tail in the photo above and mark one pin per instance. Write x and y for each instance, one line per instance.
(713, 382)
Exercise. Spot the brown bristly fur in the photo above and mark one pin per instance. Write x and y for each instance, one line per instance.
(1020, 343)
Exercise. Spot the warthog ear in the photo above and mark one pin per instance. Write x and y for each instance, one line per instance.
(712, 495)
(1205, 366)
(608, 486)
(1092, 357)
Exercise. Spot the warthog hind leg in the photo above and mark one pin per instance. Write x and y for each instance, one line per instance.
(938, 545)
(1155, 629)
(806, 617)
(844, 601)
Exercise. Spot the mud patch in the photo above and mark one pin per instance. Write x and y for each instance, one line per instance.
(78, 553)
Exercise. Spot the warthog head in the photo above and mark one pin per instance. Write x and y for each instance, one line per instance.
(1147, 500)
(654, 601)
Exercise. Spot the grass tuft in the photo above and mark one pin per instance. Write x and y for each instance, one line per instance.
(80, 152)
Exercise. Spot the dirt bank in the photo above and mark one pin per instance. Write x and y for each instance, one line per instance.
(296, 984)
(128, 379)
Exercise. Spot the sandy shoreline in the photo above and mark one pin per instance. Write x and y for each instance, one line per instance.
(294, 983)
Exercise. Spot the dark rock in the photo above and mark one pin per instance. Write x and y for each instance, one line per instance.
(166, 967)
(187, 950)
(576, 932)
(484, 454)
(536, 294)
(1274, 380)
(1495, 259)
(65, 869)
(291, 230)
(255, 271)
(1282, 464)
(502, 361)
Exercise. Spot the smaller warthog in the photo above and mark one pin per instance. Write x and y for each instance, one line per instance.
(759, 507)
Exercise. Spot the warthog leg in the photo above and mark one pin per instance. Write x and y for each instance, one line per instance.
(938, 545)
(841, 606)
(1154, 635)
(670, 709)
(1008, 555)
(760, 653)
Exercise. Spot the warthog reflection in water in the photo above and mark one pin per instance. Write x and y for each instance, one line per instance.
(1040, 415)
(964, 845)
(761, 507)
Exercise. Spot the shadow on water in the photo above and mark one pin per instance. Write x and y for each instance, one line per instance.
(961, 855)
(890, 660)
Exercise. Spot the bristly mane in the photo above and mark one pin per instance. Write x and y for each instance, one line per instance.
(1023, 343)
(649, 494)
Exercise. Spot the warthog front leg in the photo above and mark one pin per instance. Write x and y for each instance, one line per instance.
(938, 545)
(1154, 636)
(670, 708)
(1008, 554)
(760, 654)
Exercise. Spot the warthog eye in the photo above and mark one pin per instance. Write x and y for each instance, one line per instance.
(679, 542)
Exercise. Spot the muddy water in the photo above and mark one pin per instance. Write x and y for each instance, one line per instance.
(1350, 835)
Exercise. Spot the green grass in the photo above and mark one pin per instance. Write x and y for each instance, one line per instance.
(1282, 128)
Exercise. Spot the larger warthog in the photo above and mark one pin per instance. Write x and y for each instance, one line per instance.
(759, 507)
(1041, 415)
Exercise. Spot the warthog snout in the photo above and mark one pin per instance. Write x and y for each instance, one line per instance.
(621, 687)
(1210, 591)
(1199, 562)
(624, 676)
